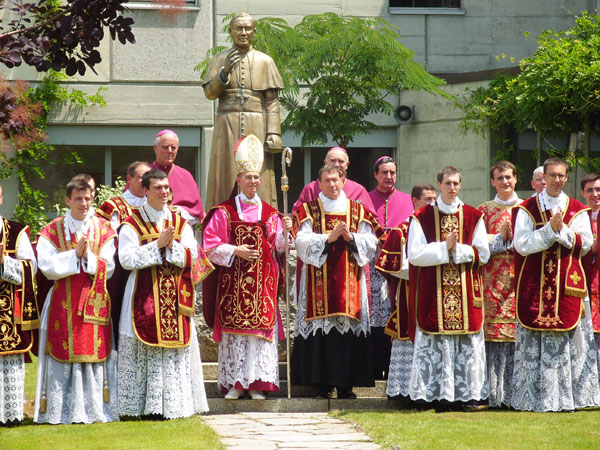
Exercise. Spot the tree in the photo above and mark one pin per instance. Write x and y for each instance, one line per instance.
(556, 92)
(337, 70)
(55, 34)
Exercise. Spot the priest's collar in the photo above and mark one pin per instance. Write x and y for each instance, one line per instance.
(514, 199)
(334, 205)
(165, 169)
(449, 209)
(244, 199)
(553, 203)
(77, 227)
(385, 195)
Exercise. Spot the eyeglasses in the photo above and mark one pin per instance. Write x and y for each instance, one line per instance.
(560, 176)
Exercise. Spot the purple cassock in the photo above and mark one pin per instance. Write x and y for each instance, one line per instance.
(391, 208)
(185, 189)
(352, 189)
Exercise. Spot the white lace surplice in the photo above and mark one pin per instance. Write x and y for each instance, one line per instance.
(500, 362)
(163, 381)
(554, 371)
(12, 367)
(310, 246)
(245, 359)
(400, 365)
(156, 380)
(380, 301)
(447, 367)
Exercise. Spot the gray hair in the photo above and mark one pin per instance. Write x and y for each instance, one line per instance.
(158, 138)
(538, 171)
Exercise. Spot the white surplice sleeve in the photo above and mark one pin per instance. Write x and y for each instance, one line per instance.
(176, 255)
(55, 265)
(12, 270)
(421, 253)
(310, 246)
(527, 240)
(366, 244)
(134, 256)
(107, 253)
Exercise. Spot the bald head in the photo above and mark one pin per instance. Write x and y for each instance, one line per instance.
(337, 157)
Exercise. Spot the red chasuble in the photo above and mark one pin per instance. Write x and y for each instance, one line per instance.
(591, 265)
(550, 284)
(498, 280)
(19, 313)
(163, 300)
(447, 298)
(334, 288)
(115, 205)
(79, 318)
(390, 262)
(246, 292)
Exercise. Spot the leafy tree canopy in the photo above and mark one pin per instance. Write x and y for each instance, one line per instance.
(348, 65)
(56, 34)
(556, 92)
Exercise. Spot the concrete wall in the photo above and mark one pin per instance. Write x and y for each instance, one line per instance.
(465, 42)
(434, 140)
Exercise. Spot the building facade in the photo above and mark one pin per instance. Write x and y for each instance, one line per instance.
(152, 85)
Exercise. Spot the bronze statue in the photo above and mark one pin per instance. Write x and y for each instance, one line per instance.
(247, 83)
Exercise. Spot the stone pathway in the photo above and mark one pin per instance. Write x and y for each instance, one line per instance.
(274, 431)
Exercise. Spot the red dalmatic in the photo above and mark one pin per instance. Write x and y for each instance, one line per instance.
(551, 284)
(334, 288)
(163, 301)
(447, 298)
(79, 327)
(390, 262)
(591, 265)
(498, 280)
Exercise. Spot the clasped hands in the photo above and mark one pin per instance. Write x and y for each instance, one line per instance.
(341, 229)
(165, 239)
(556, 222)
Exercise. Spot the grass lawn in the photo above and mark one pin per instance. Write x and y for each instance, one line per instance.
(480, 430)
(134, 434)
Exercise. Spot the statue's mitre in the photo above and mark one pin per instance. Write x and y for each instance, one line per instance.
(249, 154)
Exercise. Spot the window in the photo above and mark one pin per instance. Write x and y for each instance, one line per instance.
(426, 7)
(425, 3)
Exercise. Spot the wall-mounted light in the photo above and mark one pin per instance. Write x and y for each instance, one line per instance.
(404, 114)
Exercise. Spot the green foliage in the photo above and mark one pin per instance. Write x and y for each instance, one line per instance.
(347, 66)
(34, 155)
(557, 91)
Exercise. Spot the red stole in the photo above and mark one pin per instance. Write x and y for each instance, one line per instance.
(247, 291)
(453, 303)
(389, 262)
(19, 313)
(334, 288)
(79, 327)
(591, 265)
(498, 280)
(115, 204)
(163, 300)
(551, 284)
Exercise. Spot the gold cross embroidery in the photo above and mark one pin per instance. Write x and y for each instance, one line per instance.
(29, 309)
(185, 293)
(575, 278)
(97, 302)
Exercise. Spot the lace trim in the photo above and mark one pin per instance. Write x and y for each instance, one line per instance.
(12, 271)
(12, 387)
(246, 359)
(222, 255)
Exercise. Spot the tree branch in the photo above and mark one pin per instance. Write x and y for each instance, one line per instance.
(36, 26)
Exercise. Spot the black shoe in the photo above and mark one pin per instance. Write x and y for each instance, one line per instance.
(323, 393)
(346, 394)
